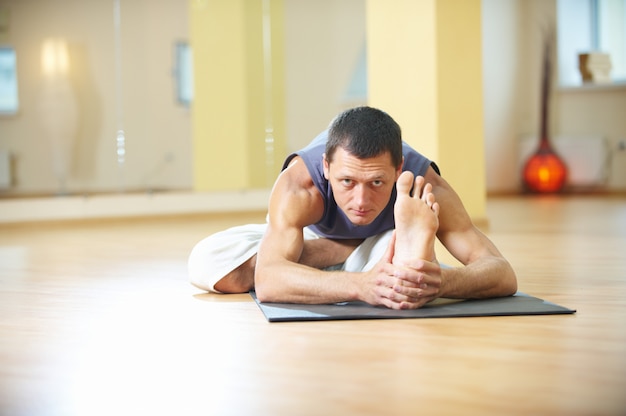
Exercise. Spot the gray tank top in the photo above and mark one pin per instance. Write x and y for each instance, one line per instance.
(334, 223)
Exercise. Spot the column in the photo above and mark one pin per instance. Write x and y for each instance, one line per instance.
(425, 70)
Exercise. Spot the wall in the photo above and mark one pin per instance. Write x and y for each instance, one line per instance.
(425, 69)
(323, 44)
(323, 41)
(239, 102)
(597, 112)
(157, 129)
(512, 47)
(505, 87)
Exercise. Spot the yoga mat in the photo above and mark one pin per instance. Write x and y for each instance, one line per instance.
(518, 304)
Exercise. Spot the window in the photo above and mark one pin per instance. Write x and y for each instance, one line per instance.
(184, 73)
(8, 81)
(590, 26)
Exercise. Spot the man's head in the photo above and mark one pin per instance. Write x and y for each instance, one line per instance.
(365, 132)
(362, 162)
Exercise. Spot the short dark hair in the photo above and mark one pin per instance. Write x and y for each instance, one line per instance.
(365, 132)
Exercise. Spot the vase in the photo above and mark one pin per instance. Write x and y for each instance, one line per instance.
(545, 171)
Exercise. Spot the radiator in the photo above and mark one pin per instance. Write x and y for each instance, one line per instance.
(587, 158)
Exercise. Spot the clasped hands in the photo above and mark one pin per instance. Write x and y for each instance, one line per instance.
(410, 285)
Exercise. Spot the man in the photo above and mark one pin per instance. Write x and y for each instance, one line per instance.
(354, 216)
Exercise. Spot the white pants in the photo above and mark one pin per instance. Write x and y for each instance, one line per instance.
(219, 254)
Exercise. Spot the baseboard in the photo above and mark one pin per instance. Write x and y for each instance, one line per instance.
(75, 207)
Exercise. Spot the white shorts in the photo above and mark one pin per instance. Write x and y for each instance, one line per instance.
(219, 254)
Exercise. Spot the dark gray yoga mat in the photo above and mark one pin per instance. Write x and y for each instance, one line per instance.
(518, 304)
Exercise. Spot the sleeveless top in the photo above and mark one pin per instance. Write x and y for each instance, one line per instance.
(334, 223)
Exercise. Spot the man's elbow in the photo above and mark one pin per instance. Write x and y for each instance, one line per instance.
(509, 284)
(511, 287)
(264, 294)
(263, 287)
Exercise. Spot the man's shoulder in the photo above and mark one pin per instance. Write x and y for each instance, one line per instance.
(296, 192)
(414, 161)
(296, 180)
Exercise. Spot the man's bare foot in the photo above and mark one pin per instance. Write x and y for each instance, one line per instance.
(416, 218)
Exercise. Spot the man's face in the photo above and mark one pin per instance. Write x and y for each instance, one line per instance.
(362, 187)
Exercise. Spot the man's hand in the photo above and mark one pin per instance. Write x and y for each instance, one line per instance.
(408, 286)
(419, 282)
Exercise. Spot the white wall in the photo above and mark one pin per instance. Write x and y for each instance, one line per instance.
(505, 89)
(597, 112)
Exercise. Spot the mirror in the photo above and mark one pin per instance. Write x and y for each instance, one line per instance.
(127, 70)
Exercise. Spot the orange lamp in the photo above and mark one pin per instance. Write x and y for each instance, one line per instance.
(544, 171)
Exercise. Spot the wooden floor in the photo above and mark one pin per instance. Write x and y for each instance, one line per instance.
(97, 318)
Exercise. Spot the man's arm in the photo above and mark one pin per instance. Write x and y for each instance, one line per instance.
(486, 273)
(279, 276)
